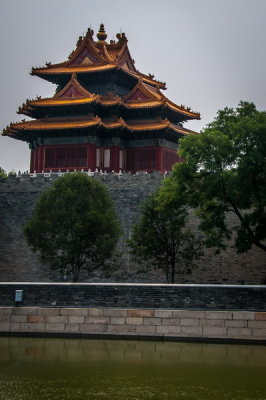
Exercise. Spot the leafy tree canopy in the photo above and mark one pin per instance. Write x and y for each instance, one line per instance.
(74, 225)
(162, 239)
(225, 172)
(3, 173)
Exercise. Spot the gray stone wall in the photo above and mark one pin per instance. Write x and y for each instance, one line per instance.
(136, 295)
(17, 263)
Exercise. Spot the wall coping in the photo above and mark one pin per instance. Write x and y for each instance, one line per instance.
(126, 284)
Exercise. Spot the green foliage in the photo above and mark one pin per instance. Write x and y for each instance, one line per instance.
(225, 172)
(162, 239)
(74, 225)
(3, 173)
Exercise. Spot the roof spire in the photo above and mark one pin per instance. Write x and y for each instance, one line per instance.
(101, 35)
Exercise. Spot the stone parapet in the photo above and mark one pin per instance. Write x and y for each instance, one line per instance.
(223, 298)
(136, 323)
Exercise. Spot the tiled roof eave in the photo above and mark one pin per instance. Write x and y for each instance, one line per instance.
(137, 105)
(67, 70)
(17, 129)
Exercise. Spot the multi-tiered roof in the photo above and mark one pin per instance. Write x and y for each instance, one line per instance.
(100, 93)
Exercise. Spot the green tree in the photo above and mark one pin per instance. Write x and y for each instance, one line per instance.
(3, 173)
(74, 225)
(225, 172)
(162, 239)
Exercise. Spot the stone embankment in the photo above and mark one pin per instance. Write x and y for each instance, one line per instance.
(135, 323)
(201, 312)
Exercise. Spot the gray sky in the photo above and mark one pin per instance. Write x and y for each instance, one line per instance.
(211, 53)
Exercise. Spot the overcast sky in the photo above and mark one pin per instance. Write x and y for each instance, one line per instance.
(211, 53)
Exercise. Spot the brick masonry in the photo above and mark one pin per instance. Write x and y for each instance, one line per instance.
(136, 323)
(17, 263)
(194, 297)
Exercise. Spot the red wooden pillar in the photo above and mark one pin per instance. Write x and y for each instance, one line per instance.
(42, 152)
(39, 164)
(91, 156)
(159, 163)
(114, 164)
(35, 159)
(31, 161)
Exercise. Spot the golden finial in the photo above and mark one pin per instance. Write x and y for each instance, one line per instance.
(101, 35)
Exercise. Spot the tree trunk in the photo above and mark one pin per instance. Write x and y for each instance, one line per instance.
(173, 260)
(173, 271)
(75, 272)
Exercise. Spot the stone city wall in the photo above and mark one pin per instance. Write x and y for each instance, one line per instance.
(17, 263)
(135, 323)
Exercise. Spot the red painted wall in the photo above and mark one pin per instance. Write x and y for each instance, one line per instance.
(83, 156)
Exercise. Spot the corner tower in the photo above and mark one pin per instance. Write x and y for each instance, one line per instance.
(105, 114)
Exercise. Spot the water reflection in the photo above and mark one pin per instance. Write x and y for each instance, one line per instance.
(104, 369)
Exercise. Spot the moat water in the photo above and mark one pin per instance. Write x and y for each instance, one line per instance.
(59, 369)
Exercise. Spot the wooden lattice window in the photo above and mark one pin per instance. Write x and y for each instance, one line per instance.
(66, 157)
(106, 158)
(169, 159)
(142, 159)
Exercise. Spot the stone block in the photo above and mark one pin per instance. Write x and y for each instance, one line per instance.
(212, 322)
(18, 318)
(163, 313)
(260, 316)
(48, 311)
(249, 315)
(112, 312)
(219, 315)
(95, 312)
(75, 312)
(189, 322)
(260, 333)
(72, 319)
(57, 319)
(192, 330)
(257, 324)
(97, 320)
(211, 331)
(93, 328)
(4, 326)
(170, 321)
(25, 327)
(188, 314)
(238, 323)
(121, 329)
(7, 318)
(71, 328)
(141, 313)
(25, 311)
(152, 321)
(117, 321)
(239, 332)
(134, 320)
(164, 330)
(54, 327)
(35, 318)
(6, 310)
(146, 330)
(14, 327)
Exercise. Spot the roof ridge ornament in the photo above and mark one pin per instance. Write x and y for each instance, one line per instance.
(101, 35)
(121, 37)
(89, 33)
